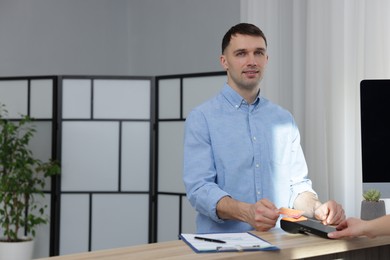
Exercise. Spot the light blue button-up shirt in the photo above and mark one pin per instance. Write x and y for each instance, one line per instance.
(246, 151)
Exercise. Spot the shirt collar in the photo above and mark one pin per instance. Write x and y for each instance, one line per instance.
(235, 99)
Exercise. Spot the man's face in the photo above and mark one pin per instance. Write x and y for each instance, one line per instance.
(245, 59)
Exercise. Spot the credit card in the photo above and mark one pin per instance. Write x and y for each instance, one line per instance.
(292, 214)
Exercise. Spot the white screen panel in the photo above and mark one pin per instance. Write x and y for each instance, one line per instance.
(74, 223)
(168, 218)
(198, 90)
(169, 98)
(76, 98)
(90, 156)
(13, 93)
(170, 154)
(42, 98)
(42, 238)
(40, 144)
(119, 220)
(135, 156)
(188, 217)
(124, 99)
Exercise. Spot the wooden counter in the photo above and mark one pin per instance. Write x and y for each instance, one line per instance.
(292, 247)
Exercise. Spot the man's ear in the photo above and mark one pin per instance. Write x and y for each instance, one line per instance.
(222, 60)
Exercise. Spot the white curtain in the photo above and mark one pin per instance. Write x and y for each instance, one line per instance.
(319, 51)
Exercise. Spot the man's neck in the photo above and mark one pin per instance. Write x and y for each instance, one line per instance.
(249, 95)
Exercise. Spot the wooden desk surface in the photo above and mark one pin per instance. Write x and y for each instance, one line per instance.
(293, 246)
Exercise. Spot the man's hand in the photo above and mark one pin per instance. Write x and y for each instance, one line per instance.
(330, 213)
(262, 215)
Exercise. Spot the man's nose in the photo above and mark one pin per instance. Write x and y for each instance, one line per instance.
(252, 60)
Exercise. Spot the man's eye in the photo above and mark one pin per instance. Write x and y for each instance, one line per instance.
(240, 53)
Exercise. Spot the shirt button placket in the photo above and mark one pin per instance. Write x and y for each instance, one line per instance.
(257, 174)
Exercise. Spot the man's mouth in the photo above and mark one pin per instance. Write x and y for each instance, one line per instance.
(251, 73)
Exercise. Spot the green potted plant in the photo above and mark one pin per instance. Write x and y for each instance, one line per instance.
(372, 206)
(22, 178)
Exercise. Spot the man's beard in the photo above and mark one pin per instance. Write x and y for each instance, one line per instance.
(249, 85)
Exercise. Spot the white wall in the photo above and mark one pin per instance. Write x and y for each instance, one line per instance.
(121, 37)
(178, 36)
(43, 37)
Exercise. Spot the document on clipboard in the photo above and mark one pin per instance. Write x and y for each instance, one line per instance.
(226, 242)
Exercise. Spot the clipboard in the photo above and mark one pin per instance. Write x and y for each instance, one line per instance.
(232, 242)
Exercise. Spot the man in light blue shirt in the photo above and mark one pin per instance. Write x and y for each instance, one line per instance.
(242, 154)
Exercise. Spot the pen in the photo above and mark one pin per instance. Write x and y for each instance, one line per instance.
(209, 239)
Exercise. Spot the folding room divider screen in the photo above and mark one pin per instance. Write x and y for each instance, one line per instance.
(176, 96)
(119, 140)
(105, 151)
(35, 97)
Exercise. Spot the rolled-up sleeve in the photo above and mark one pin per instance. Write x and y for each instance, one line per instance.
(299, 181)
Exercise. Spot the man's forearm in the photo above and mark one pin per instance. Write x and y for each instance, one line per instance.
(308, 202)
(228, 208)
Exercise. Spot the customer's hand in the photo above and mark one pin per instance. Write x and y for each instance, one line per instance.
(351, 227)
